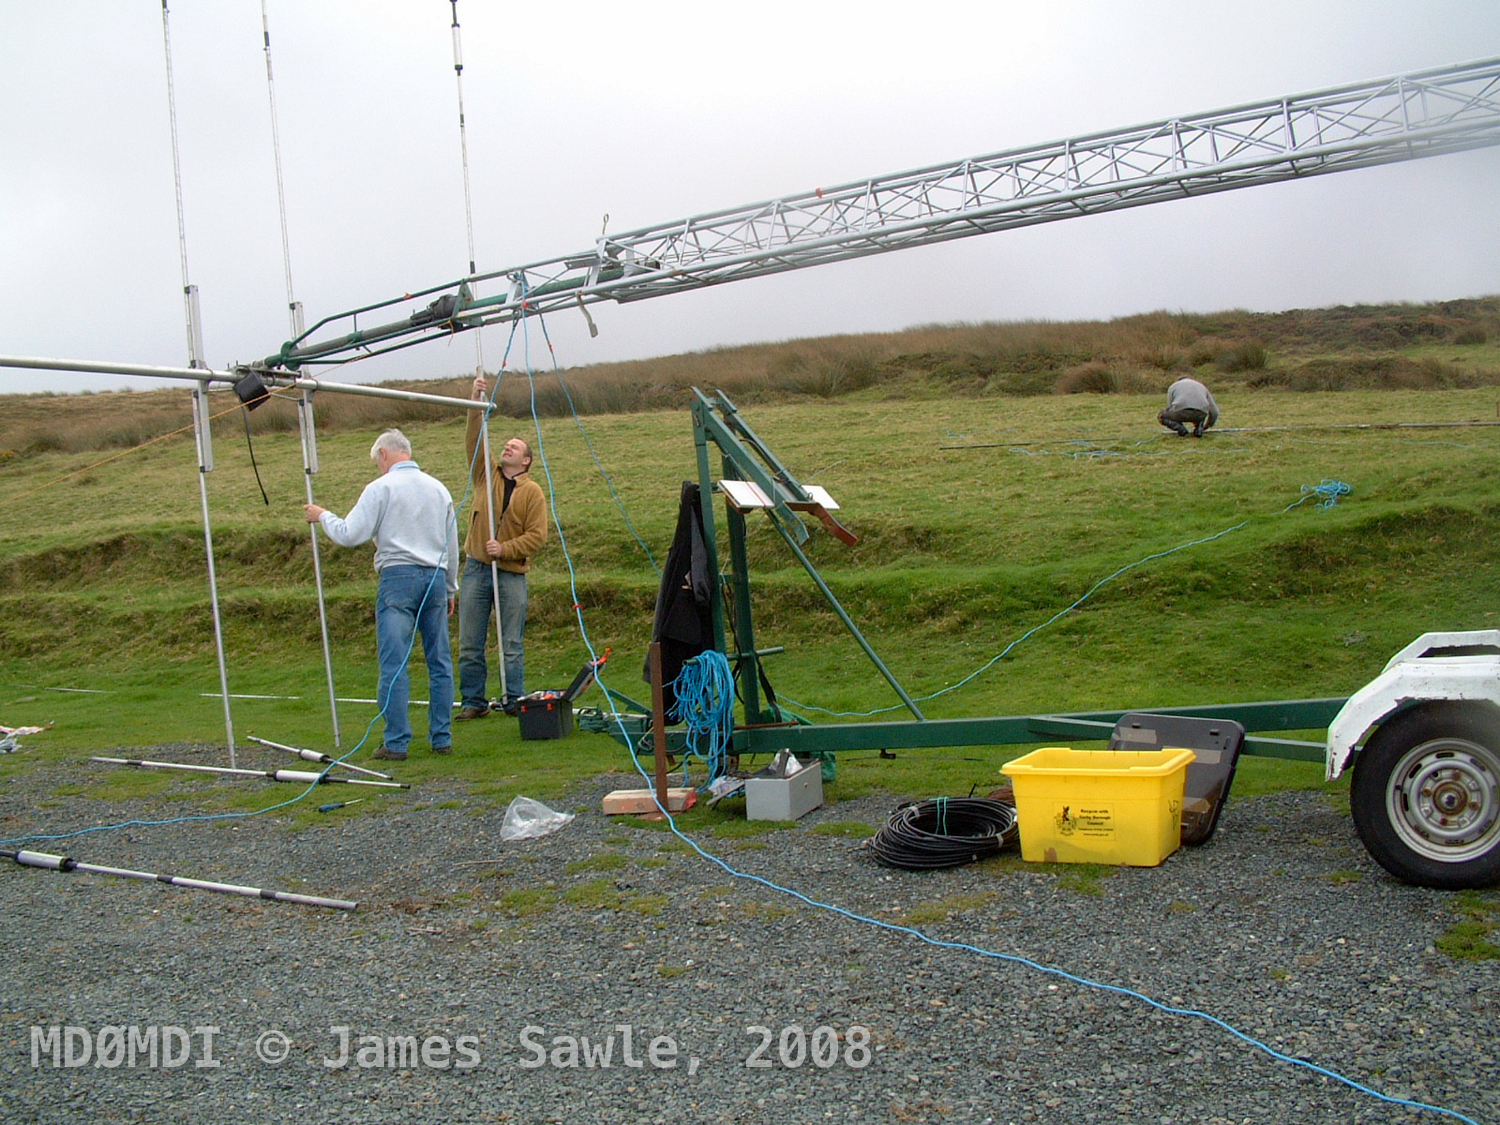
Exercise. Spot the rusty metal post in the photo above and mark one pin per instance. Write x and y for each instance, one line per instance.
(659, 725)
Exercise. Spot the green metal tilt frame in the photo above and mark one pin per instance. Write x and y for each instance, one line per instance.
(745, 457)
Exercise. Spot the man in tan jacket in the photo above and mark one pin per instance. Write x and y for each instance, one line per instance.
(497, 555)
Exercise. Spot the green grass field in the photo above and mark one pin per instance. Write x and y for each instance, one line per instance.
(979, 516)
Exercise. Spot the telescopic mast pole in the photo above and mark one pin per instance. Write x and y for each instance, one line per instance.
(60, 863)
(301, 777)
(201, 414)
(489, 493)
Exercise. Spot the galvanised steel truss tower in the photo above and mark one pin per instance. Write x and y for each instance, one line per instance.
(1425, 113)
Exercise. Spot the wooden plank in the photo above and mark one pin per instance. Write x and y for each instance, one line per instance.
(644, 801)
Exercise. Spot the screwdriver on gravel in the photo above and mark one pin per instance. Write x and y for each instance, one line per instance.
(339, 804)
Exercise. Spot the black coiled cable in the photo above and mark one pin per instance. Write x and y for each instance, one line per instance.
(944, 832)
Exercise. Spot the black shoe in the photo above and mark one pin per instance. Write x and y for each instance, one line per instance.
(442, 749)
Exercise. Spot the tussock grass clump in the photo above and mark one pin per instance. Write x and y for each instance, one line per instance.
(1368, 373)
(1103, 378)
(1094, 378)
(1241, 357)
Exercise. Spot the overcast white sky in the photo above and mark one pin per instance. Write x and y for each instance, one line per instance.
(652, 111)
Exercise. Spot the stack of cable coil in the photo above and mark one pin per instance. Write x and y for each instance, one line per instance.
(944, 832)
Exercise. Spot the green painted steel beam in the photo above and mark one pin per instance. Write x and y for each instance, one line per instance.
(1288, 748)
(1295, 714)
(1283, 714)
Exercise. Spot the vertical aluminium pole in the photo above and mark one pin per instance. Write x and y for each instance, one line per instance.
(706, 510)
(200, 395)
(489, 504)
(205, 466)
(309, 467)
(463, 144)
(304, 404)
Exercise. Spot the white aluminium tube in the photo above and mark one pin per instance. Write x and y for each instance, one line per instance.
(205, 464)
(48, 862)
(309, 467)
(489, 503)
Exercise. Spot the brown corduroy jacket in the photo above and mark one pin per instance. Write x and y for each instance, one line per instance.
(522, 528)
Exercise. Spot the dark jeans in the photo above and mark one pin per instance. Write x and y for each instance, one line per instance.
(409, 600)
(476, 600)
(1174, 419)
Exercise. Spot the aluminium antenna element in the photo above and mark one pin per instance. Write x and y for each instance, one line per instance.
(303, 777)
(319, 756)
(64, 863)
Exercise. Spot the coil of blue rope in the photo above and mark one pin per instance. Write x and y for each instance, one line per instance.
(705, 703)
(1327, 492)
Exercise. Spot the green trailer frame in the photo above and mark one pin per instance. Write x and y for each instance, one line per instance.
(745, 458)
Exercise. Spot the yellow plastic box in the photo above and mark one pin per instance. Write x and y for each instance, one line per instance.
(1099, 806)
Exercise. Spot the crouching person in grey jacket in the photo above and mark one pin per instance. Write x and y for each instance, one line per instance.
(1189, 404)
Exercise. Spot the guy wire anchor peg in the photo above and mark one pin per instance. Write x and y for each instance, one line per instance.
(317, 756)
(339, 805)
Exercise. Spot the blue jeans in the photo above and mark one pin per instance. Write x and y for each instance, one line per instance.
(411, 599)
(475, 601)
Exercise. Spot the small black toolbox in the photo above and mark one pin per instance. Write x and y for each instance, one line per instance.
(545, 716)
(549, 714)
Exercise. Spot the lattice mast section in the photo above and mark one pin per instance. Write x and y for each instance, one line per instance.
(1426, 113)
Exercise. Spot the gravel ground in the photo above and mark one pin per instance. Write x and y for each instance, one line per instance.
(501, 959)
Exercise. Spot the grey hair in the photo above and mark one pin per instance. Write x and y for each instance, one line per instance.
(392, 441)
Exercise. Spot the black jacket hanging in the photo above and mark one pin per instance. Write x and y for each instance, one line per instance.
(684, 622)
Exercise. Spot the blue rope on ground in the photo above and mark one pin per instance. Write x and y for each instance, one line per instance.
(1328, 493)
(1026, 962)
(1329, 490)
(829, 907)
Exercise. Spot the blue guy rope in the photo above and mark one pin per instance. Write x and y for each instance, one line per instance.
(364, 738)
(587, 441)
(864, 919)
(1328, 493)
(1328, 490)
(987, 665)
(1035, 966)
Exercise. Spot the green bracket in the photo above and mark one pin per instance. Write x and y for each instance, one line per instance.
(745, 457)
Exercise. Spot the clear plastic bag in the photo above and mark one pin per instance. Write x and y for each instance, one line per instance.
(526, 819)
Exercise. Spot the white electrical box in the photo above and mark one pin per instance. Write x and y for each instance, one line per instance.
(785, 798)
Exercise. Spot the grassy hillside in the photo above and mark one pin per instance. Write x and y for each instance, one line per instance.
(1446, 345)
(981, 514)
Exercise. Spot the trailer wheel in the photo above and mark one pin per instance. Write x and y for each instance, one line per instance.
(1426, 796)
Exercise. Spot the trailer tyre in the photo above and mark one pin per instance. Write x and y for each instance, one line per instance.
(1426, 796)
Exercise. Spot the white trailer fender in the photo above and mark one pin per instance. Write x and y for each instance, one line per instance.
(1413, 676)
